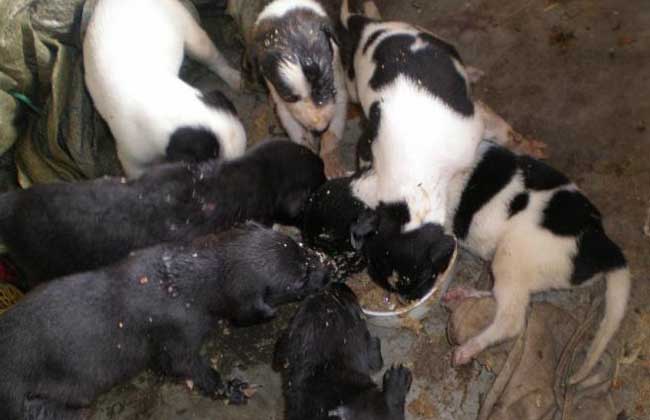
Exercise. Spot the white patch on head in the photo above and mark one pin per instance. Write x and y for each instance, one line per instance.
(295, 78)
(279, 8)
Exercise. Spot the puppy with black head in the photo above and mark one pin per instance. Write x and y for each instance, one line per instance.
(57, 229)
(294, 49)
(326, 356)
(132, 75)
(75, 338)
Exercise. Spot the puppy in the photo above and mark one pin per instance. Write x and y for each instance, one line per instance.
(56, 229)
(77, 337)
(340, 223)
(295, 50)
(131, 72)
(540, 233)
(422, 123)
(326, 356)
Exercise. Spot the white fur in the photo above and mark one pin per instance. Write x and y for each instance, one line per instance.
(279, 8)
(131, 72)
(527, 258)
(422, 143)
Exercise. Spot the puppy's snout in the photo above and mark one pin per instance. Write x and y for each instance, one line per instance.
(319, 133)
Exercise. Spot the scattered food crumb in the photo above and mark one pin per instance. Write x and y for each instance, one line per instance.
(561, 37)
(144, 280)
(422, 406)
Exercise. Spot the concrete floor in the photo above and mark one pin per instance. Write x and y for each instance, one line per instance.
(573, 73)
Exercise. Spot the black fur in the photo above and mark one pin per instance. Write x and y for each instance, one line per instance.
(75, 338)
(369, 135)
(328, 216)
(540, 176)
(192, 145)
(416, 257)
(431, 67)
(301, 37)
(596, 254)
(218, 100)
(326, 356)
(493, 172)
(519, 203)
(351, 37)
(57, 229)
(372, 38)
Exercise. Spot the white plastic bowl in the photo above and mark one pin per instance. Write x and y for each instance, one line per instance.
(418, 309)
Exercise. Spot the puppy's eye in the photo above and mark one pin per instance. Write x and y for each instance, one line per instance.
(291, 99)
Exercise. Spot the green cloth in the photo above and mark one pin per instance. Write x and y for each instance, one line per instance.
(45, 110)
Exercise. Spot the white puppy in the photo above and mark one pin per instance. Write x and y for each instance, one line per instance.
(133, 51)
(294, 48)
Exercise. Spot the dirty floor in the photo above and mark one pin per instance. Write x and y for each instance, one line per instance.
(573, 73)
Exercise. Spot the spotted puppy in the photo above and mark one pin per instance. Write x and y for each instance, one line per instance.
(294, 48)
(77, 337)
(422, 123)
(540, 233)
(57, 229)
(326, 356)
(131, 72)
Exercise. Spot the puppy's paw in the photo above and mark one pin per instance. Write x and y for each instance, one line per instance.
(237, 392)
(465, 353)
(397, 381)
(459, 294)
(208, 383)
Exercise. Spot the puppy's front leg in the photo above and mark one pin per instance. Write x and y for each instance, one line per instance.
(397, 383)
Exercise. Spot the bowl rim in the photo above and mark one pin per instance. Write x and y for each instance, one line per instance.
(441, 281)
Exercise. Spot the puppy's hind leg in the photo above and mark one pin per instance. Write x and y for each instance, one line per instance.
(512, 296)
(200, 47)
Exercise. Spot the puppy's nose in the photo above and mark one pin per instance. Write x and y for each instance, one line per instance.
(318, 133)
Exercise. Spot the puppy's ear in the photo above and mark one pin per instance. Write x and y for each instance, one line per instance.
(441, 253)
(365, 226)
(331, 35)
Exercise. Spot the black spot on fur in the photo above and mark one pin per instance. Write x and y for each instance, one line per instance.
(570, 213)
(495, 170)
(372, 38)
(519, 203)
(327, 355)
(596, 254)
(218, 100)
(431, 66)
(369, 134)
(57, 229)
(351, 39)
(192, 144)
(540, 176)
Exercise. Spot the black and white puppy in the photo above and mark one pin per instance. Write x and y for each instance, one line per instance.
(75, 338)
(422, 123)
(540, 233)
(326, 356)
(132, 75)
(294, 48)
(340, 223)
(57, 229)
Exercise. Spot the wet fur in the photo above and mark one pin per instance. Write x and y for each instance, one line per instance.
(57, 229)
(132, 75)
(75, 338)
(295, 50)
(326, 356)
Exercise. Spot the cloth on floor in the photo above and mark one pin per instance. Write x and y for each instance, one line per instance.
(532, 368)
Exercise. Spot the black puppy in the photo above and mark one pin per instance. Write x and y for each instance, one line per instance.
(76, 337)
(58, 229)
(326, 356)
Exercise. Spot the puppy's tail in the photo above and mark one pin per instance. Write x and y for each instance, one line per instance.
(619, 284)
